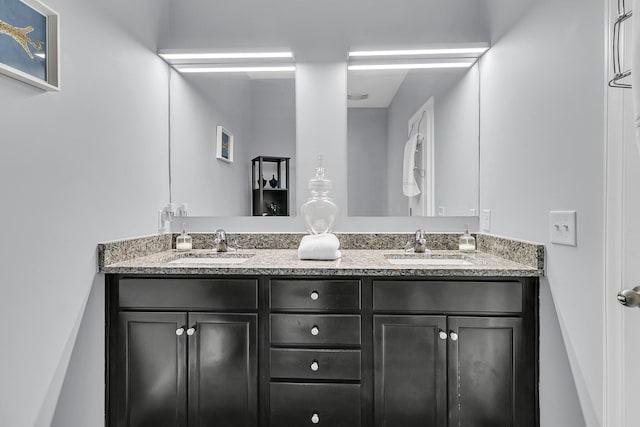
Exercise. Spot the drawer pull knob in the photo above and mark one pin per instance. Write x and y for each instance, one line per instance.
(315, 295)
(179, 331)
(315, 366)
(315, 418)
(442, 334)
(191, 331)
(315, 331)
(454, 336)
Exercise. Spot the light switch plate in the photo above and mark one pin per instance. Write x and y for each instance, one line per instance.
(486, 220)
(562, 227)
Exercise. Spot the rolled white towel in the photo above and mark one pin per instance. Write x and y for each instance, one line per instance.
(319, 247)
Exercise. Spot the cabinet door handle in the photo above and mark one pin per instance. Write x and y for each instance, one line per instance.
(180, 331)
(191, 330)
(315, 418)
(315, 366)
(315, 331)
(442, 334)
(314, 295)
(453, 336)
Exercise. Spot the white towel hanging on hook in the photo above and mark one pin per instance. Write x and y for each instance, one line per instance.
(409, 184)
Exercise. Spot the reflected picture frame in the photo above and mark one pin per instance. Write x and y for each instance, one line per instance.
(224, 144)
(30, 43)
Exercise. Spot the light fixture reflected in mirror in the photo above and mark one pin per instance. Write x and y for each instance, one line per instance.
(244, 69)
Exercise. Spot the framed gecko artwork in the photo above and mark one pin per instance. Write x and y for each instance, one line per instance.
(29, 47)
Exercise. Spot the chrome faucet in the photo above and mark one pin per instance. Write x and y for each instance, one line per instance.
(420, 242)
(220, 241)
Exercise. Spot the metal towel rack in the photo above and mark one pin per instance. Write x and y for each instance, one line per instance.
(618, 74)
(424, 113)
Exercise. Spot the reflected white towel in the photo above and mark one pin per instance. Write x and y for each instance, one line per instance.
(635, 67)
(319, 247)
(409, 185)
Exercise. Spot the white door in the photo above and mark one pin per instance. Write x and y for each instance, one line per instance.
(622, 327)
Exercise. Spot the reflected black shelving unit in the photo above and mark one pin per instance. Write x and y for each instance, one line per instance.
(268, 200)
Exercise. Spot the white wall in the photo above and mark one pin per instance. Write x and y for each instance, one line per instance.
(321, 127)
(542, 147)
(77, 167)
(261, 116)
(456, 140)
(367, 161)
(210, 186)
(457, 147)
(273, 128)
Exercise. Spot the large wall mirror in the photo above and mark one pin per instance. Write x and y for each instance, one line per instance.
(386, 109)
(413, 142)
(258, 110)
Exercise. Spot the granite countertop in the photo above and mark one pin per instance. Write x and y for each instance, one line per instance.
(354, 262)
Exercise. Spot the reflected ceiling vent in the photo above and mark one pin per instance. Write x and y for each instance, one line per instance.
(357, 96)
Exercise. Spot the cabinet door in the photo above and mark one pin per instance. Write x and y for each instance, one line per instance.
(223, 387)
(150, 371)
(487, 377)
(410, 371)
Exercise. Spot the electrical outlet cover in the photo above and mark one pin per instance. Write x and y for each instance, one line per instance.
(562, 228)
(486, 220)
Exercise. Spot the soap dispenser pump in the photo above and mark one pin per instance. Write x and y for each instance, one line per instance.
(184, 242)
(467, 241)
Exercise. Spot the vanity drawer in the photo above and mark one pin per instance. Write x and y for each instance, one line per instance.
(329, 405)
(443, 296)
(191, 294)
(315, 295)
(308, 329)
(315, 364)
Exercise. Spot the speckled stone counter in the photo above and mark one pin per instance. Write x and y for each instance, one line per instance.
(354, 262)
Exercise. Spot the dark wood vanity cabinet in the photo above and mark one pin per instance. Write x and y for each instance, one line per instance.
(171, 366)
(315, 353)
(455, 353)
(338, 352)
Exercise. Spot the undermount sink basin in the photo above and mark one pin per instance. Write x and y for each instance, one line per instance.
(430, 258)
(197, 260)
(427, 261)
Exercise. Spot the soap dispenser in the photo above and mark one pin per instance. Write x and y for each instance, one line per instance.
(467, 241)
(184, 241)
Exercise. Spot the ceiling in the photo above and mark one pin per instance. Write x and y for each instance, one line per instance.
(327, 30)
(380, 86)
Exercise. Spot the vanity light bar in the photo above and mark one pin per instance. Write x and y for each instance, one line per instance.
(418, 52)
(230, 55)
(233, 69)
(369, 67)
